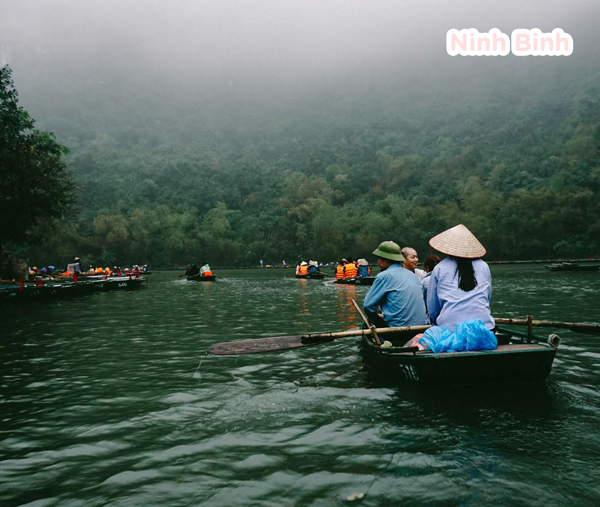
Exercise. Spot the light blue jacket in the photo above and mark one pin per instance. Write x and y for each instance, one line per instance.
(400, 295)
(448, 305)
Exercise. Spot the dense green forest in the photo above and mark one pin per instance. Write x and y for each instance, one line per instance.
(169, 174)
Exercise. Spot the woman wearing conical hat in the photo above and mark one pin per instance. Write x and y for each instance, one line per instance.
(461, 285)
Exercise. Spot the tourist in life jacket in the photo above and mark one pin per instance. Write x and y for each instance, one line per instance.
(350, 270)
(206, 271)
(303, 268)
(461, 285)
(339, 270)
(396, 297)
(364, 269)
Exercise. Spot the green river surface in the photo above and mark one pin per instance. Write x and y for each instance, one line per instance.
(111, 399)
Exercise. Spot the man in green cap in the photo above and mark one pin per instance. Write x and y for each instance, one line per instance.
(396, 291)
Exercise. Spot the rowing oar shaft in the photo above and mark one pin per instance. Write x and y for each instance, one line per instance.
(367, 323)
(573, 326)
(361, 332)
(277, 343)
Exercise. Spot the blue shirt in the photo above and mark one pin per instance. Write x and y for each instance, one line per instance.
(448, 305)
(400, 295)
(363, 270)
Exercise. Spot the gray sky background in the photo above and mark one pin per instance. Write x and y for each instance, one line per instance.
(273, 46)
(300, 39)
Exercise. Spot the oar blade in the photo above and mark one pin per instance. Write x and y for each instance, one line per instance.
(260, 345)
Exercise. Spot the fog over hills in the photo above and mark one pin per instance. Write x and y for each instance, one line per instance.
(299, 113)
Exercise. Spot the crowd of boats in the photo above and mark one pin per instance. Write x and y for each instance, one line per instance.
(50, 283)
(398, 350)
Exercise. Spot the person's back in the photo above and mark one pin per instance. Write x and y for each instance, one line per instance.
(339, 271)
(313, 270)
(449, 305)
(400, 295)
(303, 270)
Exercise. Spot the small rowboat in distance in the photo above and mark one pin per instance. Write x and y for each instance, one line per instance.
(199, 278)
(315, 276)
(359, 280)
(516, 359)
(567, 266)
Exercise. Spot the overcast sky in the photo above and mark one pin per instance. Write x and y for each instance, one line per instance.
(295, 37)
(285, 48)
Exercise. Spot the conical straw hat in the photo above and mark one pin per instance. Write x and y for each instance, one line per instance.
(458, 242)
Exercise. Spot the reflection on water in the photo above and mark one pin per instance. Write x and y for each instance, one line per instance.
(111, 400)
(347, 315)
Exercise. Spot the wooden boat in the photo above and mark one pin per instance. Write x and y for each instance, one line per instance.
(116, 283)
(199, 278)
(53, 290)
(568, 266)
(517, 358)
(314, 276)
(49, 291)
(359, 280)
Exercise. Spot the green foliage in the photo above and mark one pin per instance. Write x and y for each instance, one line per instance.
(35, 183)
(231, 182)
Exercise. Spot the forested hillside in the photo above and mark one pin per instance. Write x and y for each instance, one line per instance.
(173, 173)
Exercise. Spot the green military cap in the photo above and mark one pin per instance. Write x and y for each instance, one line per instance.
(389, 250)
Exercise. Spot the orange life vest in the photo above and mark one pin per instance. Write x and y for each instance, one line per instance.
(339, 272)
(350, 271)
(303, 270)
(207, 273)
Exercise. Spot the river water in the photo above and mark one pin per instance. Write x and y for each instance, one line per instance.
(110, 399)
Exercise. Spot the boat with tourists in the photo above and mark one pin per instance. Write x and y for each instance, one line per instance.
(518, 357)
(59, 290)
(195, 274)
(569, 266)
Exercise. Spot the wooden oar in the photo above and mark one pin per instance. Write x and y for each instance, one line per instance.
(581, 327)
(367, 323)
(277, 343)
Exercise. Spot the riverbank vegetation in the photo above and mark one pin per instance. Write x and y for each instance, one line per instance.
(174, 173)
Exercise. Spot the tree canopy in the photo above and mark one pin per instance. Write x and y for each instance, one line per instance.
(185, 178)
(35, 183)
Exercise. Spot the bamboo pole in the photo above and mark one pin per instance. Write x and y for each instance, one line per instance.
(585, 327)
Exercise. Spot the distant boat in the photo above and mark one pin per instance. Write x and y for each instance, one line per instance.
(314, 276)
(359, 280)
(568, 266)
(199, 278)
